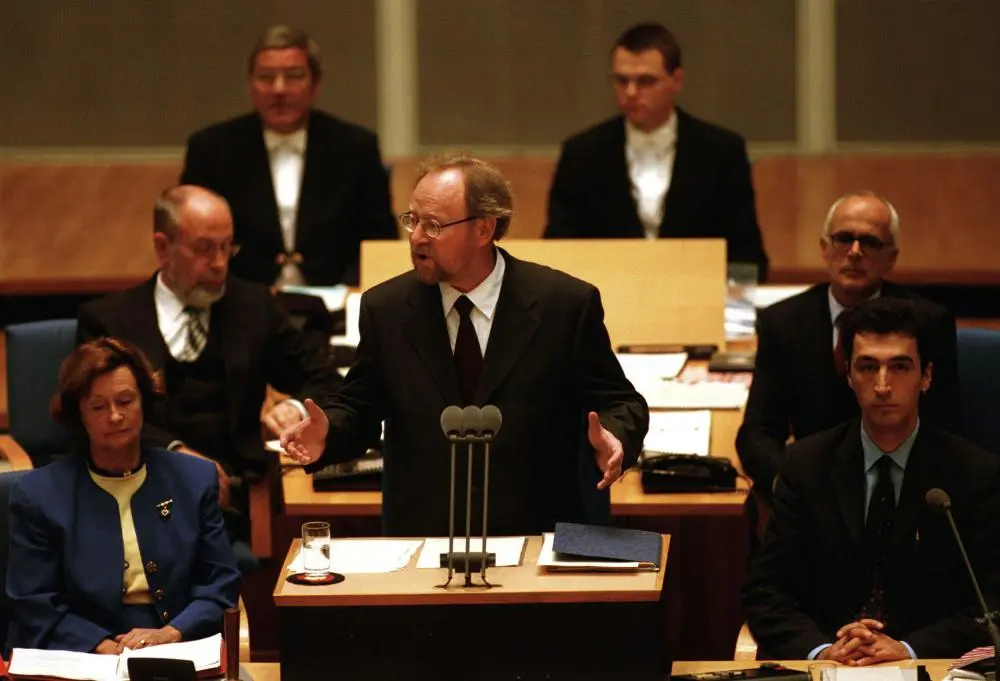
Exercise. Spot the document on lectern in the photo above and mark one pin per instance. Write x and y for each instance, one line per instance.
(507, 549)
(594, 548)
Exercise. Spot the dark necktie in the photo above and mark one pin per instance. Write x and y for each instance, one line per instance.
(839, 361)
(196, 334)
(468, 356)
(881, 509)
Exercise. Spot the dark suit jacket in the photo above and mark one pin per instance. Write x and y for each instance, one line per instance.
(797, 390)
(66, 553)
(344, 198)
(260, 345)
(548, 361)
(809, 577)
(710, 195)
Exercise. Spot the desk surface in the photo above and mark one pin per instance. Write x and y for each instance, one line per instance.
(937, 669)
(522, 584)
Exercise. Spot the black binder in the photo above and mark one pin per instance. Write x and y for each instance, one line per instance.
(573, 540)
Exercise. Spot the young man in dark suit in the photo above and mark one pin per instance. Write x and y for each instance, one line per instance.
(656, 171)
(219, 342)
(305, 188)
(855, 567)
(799, 387)
(472, 325)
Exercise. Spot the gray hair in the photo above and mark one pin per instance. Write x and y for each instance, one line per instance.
(865, 194)
(281, 37)
(487, 192)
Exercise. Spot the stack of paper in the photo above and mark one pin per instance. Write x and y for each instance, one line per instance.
(357, 556)
(679, 432)
(699, 395)
(333, 296)
(205, 653)
(507, 549)
(352, 314)
(641, 367)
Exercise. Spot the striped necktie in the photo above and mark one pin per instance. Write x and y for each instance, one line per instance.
(196, 334)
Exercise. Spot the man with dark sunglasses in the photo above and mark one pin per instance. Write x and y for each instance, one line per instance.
(799, 386)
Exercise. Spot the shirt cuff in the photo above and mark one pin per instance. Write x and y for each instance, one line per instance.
(298, 405)
(175, 445)
(814, 653)
(913, 655)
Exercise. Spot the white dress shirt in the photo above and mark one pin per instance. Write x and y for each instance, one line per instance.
(172, 320)
(287, 155)
(650, 157)
(484, 300)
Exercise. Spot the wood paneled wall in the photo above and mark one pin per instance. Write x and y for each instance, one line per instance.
(87, 227)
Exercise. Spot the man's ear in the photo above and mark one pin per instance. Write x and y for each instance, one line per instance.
(485, 229)
(925, 378)
(161, 247)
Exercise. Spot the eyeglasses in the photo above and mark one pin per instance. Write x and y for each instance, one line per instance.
(291, 78)
(432, 228)
(843, 241)
(208, 249)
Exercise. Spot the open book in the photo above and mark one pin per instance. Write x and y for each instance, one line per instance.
(207, 654)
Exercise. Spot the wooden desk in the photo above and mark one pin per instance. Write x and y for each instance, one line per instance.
(937, 669)
(530, 624)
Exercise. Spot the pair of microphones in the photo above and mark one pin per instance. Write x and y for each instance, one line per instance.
(938, 500)
(471, 422)
(473, 427)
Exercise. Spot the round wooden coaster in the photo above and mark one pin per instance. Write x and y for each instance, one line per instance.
(304, 580)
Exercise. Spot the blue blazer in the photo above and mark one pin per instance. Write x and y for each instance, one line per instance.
(64, 579)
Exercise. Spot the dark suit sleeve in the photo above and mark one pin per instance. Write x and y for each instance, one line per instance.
(980, 529)
(760, 441)
(738, 211)
(944, 397)
(567, 210)
(295, 366)
(602, 383)
(90, 326)
(197, 163)
(41, 617)
(776, 587)
(357, 409)
(215, 581)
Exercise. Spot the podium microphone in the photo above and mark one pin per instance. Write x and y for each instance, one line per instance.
(938, 500)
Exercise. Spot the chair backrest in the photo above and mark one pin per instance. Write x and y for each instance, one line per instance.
(34, 352)
(7, 480)
(979, 376)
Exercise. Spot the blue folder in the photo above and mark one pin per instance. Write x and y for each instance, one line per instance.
(607, 543)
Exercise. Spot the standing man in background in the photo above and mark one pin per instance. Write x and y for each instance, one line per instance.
(655, 171)
(305, 188)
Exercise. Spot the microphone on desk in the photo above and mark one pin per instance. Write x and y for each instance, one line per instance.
(938, 500)
(469, 426)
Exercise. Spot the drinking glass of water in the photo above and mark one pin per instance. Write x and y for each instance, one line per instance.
(316, 549)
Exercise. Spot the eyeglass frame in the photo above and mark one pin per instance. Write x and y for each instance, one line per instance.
(868, 243)
(228, 250)
(406, 219)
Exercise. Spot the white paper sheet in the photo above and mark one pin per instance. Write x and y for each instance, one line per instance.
(63, 664)
(679, 432)
(643, 367)
(873, 674)
(352, 314)
(205, 653)
(333, 296)
(508, 550)
(764, 296)
(358, 556)
(696, 395)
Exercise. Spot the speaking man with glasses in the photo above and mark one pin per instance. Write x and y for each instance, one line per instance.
(655, 171)
(305, 188)
(472, 325)
(219, 341)
(799, 386)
